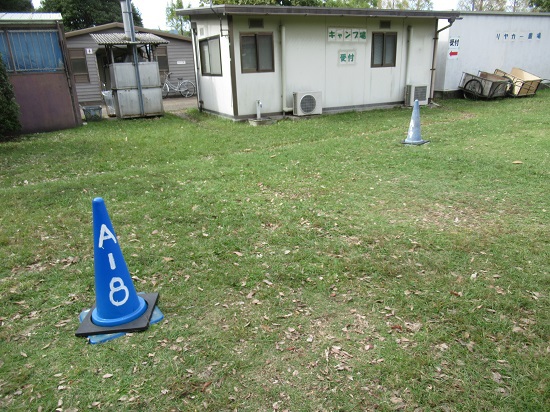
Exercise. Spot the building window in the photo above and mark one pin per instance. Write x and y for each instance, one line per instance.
(31, 51)
(257, 52)
(384, 47)
(79, 65)
(210, 55)
(162, 59)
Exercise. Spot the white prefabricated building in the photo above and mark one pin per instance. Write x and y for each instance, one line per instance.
(311, 60)
(486, 41)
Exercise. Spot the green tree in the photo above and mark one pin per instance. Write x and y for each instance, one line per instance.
(16, 6)
(81, 14)
(482, 5)
(394, 4)
(540, 5)
(421, 5)
(518, 6)
(306, 3)
(266, 2)
(355, 4)
(407, 4)
(9, 109)
(178, 23)
(514, 6)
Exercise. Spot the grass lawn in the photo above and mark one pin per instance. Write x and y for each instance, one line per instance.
(312, 265)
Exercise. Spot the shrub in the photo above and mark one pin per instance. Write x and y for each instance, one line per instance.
(9, 109)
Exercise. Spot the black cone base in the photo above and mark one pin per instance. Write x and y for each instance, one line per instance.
(88, 328)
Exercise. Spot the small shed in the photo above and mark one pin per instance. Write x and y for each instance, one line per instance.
(486, 41)
(310, 60)
(34, 51)
(136, 87)
(91, 60)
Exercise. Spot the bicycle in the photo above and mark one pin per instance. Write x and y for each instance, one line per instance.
(185, 87)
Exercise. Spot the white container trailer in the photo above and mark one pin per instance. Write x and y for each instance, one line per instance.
(333, 59)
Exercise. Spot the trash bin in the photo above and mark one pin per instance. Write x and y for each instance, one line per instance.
(109, 102)
(92, 113)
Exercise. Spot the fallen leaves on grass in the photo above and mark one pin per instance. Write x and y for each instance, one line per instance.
(442, 347)
(468, 345)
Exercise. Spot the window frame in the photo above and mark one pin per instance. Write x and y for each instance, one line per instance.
(79, 54)
(385, 36)
(5, 50)
(258, 68)
(207, 71)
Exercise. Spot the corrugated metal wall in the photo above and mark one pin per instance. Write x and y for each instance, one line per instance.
(180, 59)
(87, 92)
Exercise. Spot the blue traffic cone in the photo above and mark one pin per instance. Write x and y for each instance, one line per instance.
(413, 136)
(117, 302)
(118, 307)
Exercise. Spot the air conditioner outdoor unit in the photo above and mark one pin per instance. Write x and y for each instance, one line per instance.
(413, 93)
(307, 103)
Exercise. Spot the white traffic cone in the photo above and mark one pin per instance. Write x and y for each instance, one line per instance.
(413, 136)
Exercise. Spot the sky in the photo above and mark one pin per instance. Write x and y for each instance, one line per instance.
(153, 12)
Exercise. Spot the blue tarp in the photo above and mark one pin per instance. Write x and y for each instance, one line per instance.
(31, 51)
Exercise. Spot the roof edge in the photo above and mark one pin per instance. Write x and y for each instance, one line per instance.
(314, 11)
(505, 13)
(116, 24)
(29, 18)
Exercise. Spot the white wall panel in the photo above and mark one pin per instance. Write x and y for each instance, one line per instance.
(312, 64)
(263, 86)
(215, 91)
(493, 41)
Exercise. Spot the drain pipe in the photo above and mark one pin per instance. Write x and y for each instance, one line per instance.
(219, 17)
(283, 70)
(258, 109)
(436, 38)
(196, 61)
(407, 61)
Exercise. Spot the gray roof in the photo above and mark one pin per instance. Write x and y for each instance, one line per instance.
(313, 11)
(30, 18)
(118, 25)
(120, 38)
(505, 14)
